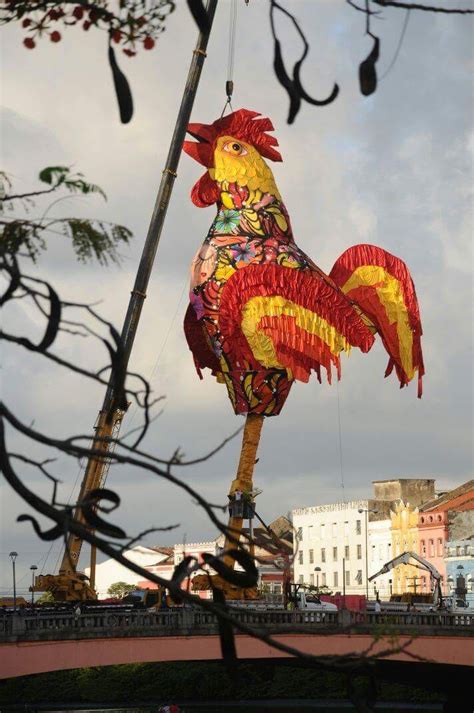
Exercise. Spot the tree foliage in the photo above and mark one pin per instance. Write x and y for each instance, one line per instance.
(120, 589)
(91, 239)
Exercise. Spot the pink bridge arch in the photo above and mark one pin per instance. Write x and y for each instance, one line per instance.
(21, 658)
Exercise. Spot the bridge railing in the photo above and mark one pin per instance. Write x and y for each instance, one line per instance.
(186, 621)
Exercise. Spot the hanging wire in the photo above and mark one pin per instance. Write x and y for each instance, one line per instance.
(340, 444)
(158, 358)
(399, 46)
(229, 85)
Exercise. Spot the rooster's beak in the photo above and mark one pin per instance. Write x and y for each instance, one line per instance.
(202, 151)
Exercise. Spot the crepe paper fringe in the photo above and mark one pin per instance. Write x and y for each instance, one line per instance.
(381, 313)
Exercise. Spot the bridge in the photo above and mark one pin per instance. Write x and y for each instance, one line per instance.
(41, 643)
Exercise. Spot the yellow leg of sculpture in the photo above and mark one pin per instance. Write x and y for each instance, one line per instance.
(243, 481)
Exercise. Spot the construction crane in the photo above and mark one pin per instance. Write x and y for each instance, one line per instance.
(70, 584)
(420, 563)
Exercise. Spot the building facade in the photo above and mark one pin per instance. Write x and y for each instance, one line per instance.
(432, 538)
(404, 526)
(459, 560)
(380, 552)
(442, 524)
(329, 547)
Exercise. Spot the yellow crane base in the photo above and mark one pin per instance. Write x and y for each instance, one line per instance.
(203, 583)
(65, 587)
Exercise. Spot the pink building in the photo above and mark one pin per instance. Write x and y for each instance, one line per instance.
(433, 534)
(433, 528)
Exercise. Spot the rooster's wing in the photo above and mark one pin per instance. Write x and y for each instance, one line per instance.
(277, 317)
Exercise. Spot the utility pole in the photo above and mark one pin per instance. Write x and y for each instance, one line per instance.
(67, 585)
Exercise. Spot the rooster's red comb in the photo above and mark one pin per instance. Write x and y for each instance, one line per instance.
(241, 124)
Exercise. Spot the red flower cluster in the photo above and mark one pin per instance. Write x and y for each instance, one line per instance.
(132, 26)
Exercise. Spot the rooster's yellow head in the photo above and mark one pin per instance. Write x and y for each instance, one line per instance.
(233, 150)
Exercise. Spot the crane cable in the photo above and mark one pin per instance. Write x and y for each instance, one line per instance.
(340, 443)
(229, 85)
(158, 358)
(399, 46)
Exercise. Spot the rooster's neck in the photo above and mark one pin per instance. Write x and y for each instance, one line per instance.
(251, 210)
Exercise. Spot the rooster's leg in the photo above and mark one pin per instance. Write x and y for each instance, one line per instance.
(243, 480)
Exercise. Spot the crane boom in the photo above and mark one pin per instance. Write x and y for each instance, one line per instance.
(405, 558)
(70, 584)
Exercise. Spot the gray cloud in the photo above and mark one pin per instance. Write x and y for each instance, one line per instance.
(393, 169)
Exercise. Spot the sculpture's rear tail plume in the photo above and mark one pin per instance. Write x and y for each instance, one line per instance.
(380, 285)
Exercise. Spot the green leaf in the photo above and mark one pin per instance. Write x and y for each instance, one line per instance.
(61, 176)
(78, 185)
(54, 174)
(21, 236)
(95, 239)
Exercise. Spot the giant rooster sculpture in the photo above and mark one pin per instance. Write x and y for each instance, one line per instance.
(261, 313)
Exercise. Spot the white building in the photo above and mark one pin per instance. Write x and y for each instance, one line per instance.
(380, 552)
(332, 537)
(110, 571)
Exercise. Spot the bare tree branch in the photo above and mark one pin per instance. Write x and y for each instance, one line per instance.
(425, 8)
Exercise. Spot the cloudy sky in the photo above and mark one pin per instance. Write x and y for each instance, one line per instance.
(394, 170)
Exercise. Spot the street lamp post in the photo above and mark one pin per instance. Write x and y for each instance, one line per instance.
(317, 570)
(13, 556)
(33, 570)
(366, 510)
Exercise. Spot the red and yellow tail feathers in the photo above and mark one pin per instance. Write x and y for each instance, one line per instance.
(380, 285)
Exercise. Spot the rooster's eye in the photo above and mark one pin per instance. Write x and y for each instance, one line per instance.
(234, 148)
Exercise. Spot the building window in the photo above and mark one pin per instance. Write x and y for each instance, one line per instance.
(300, 557)
(432, 552)
(359, 576)
(311, 578)
(277, 588)
(336, 579)
(423, 547)
(440, 547)
(334, 529)
(346, 529)
(358, 527)
(346, 552)
(373, 553)
(300, 533)
(301, 579)
(348, 578)
(311, 556)
(359, 552)
(310, 532)
(323, 579)
(334, 554)
(323, 554)
(322, 531)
